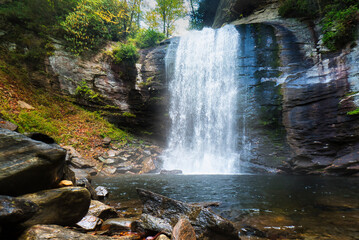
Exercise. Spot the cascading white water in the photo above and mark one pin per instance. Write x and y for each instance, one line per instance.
(204, 99)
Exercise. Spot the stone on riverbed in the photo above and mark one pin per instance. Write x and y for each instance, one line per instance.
(155, 224)
(89, 222)
(101, 210)
(13, 210)
(62, 206)
(162, 237)
(183, 230)
(47, 232)
(170, 211)
(101, 192)
(27, 165)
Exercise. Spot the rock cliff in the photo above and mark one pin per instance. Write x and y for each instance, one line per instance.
(129, 96)
(318, 90)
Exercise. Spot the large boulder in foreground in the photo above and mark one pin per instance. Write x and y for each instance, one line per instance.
(62, 206)
(27, 165)
(205, 222)
(13, 210)
(47, 232)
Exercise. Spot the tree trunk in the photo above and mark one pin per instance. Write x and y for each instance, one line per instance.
(164, 23)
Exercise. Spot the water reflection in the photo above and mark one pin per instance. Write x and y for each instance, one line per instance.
(308, 207)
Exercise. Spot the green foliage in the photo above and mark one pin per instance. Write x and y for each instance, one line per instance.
(203, 15)
(167, 12)
(37, 15)
(84, 29)
(85, 92)
(339, 27)
(128, 115)
(125, 53)
(34, 121)
(354, 112)
(299, 8)
(148, 38)
(339, 18)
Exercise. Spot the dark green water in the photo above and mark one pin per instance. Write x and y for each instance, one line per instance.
(280, 206)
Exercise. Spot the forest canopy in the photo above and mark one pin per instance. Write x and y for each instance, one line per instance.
(87, 24)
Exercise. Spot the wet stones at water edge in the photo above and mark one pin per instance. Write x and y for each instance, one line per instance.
(161, 213)
(56, 232)
(101, 192)
(183, 230)
(62, 206)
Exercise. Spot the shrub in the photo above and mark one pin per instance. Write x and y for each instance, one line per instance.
(84, 29)
(128, 115)
(339, 18)
(125, 53)
(85, 92)
(299, 8)
(339, 27)
(148, 38)
(92, 22)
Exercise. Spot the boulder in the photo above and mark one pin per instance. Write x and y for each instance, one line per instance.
(183, 230)
(106, 141)
(117, 224)
(155, 224)
(101, 192)
(170, 211)
(75, 158)
(25, 105)
(13, 210)
(101, 210)
(7, 125)
(84, 182)
(27, 165)
(89, 222)
(148, 165)
(46, 232)
(162, 237)
(62, 206)
(69, 175)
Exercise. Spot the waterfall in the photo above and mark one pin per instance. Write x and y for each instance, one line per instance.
(204, 89)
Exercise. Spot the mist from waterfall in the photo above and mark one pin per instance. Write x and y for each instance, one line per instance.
(204, 89)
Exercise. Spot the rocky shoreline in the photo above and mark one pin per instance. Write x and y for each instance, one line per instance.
(46, 193)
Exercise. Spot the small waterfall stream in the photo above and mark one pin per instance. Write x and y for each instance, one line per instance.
(204, 89)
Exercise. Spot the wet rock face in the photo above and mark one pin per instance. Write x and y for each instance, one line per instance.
(27, 165)
(316, 102)
(149, 99)
(318, 127)
(318, 90)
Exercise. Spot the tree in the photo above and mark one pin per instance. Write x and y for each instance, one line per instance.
(94, 21)
(204, 14)
(168, 11)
